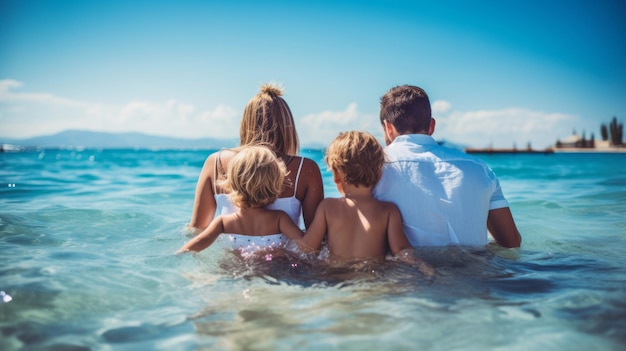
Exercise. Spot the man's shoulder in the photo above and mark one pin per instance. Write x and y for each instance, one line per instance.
(445, 157)
(451, 154)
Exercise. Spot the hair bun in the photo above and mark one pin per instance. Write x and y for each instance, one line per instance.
(273, 89)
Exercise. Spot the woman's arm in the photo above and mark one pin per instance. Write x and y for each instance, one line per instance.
(313, 190)
(205, 238)
(204, 202)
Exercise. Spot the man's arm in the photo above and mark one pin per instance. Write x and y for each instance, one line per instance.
(502, 226)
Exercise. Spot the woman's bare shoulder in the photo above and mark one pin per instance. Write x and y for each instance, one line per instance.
(223, 156)
(309, 164)
(223, 153)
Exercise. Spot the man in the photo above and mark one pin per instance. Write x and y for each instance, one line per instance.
(446, 197)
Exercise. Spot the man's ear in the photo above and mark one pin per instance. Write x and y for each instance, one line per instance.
(431, 130)
(390, 131)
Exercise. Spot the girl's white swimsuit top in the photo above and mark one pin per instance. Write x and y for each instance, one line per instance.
(290, 205)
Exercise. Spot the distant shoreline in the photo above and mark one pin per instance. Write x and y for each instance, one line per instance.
(611, 150)
(546, 151)
(507, 151)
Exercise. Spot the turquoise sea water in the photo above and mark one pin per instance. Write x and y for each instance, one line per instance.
(86, 250)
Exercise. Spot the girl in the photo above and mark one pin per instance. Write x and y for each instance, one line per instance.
(254, 179)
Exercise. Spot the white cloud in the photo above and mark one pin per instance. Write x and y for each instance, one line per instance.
(6, 84)
(440, 106)
(221, 122)
(6, 94)
(502, 128)
(26, 114)
(178, 119)
(321, 128)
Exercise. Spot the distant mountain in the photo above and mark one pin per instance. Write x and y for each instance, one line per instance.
(89, 139)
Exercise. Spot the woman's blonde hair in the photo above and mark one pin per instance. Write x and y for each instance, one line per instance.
(267, 120)
(358, 156)
(255, 177)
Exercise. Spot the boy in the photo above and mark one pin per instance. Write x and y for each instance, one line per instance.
(358, 226)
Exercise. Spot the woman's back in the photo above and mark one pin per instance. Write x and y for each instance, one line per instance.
(301, 193)
(290, 204)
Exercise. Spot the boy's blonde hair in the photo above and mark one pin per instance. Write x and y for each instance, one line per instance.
(255, 177)
(358, 156)
(267, 120)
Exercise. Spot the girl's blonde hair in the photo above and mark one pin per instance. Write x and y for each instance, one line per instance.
(358, 156)
(255, 177)
(267, 120)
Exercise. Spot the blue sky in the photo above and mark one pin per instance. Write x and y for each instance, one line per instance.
(497, 72)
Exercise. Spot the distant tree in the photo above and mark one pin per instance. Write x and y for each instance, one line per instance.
(592, 141)
(583, 140)
(604, 132)
(617, 132)
(558, 143)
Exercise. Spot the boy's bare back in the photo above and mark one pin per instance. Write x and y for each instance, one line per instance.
(358, 227)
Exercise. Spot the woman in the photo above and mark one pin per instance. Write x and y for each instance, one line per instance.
(267, 121)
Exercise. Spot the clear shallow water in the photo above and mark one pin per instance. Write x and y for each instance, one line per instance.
(86, 243)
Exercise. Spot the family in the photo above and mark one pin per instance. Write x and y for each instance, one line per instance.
(412, 193)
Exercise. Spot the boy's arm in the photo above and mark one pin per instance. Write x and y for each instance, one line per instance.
(205, 238)
(400, 245)
(312, 239)
(288, 227)
(395, 232)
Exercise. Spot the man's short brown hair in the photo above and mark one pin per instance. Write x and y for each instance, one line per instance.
(407, 108)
